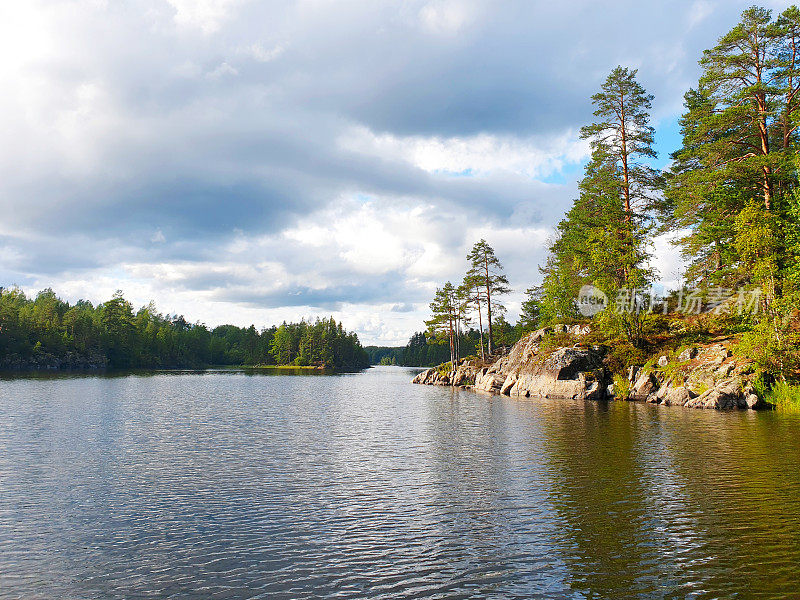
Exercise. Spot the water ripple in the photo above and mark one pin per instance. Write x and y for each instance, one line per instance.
(233, 485)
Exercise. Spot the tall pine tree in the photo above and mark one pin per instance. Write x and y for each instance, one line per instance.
(486, 271)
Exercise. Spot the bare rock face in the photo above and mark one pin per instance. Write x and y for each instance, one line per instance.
(714, 365)
(645, 384)
(713, 379)
(422, 377)
(462, 376)
(432, 377)
(706, 378)
(754, 402)
(575, 373)
(728, 394)
(568, 372)
(489, 381)
(678, 396)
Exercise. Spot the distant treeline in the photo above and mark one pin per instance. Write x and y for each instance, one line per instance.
(425, 350)
(48, 333)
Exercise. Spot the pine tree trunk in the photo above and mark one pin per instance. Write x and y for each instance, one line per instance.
(626, 188)
(480, 320)
(452, 345)
(787, 129)
(763, 134)
(488, 304)
(458, 337)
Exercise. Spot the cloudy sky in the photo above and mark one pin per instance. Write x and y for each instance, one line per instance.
(248, 162)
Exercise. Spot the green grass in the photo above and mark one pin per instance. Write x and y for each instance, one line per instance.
(622, 387)
(783, 395)
(444, 369)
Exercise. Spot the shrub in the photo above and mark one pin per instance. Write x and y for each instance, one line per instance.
(774, 346)
(622, 387)
(783, 395)
(622, 355)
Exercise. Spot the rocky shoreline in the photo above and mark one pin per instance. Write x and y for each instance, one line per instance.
(701, 376)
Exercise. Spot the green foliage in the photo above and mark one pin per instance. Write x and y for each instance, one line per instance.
(530, 316)
(505, 334)
(782, 395)
(603, 239)
(732, 188)
(623, 354)
(422, 351)
(380, 355)
(48, 332)
(485, 272)
(444, 369)
(774, 346)
(443, 323)
(555, 340)
(622, 387)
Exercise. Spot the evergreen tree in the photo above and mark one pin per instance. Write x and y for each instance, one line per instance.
(623, 137)
(486, 271)
(530, 315)
(443, 317)
(732, 181)
(473, 293)
(603, 239)
(49, 333)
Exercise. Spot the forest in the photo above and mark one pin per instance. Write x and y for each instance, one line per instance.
(48, 333)
(729, 199)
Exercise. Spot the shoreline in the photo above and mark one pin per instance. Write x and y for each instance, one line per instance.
(707, 376)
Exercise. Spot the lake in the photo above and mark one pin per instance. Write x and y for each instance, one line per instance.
(257, 485)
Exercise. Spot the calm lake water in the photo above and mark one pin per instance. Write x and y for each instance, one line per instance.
(234, 485)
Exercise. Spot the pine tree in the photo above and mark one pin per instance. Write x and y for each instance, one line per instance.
(486, 270)
(732, 181)
(623, 136)
(787, 75)
(737, 77)
(473, 294)
(443, 317)
(603, 239)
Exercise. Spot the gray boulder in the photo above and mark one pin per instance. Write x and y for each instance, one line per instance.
(678, 396)
(726, 395)
(576, 373)
(645, 385)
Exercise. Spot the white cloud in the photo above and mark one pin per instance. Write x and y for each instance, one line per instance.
(261, 54)
(222, 70)
(534, 157)
(447, 17)
(206, 15)
(667, 259)
(369, 239)
(349, 151)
